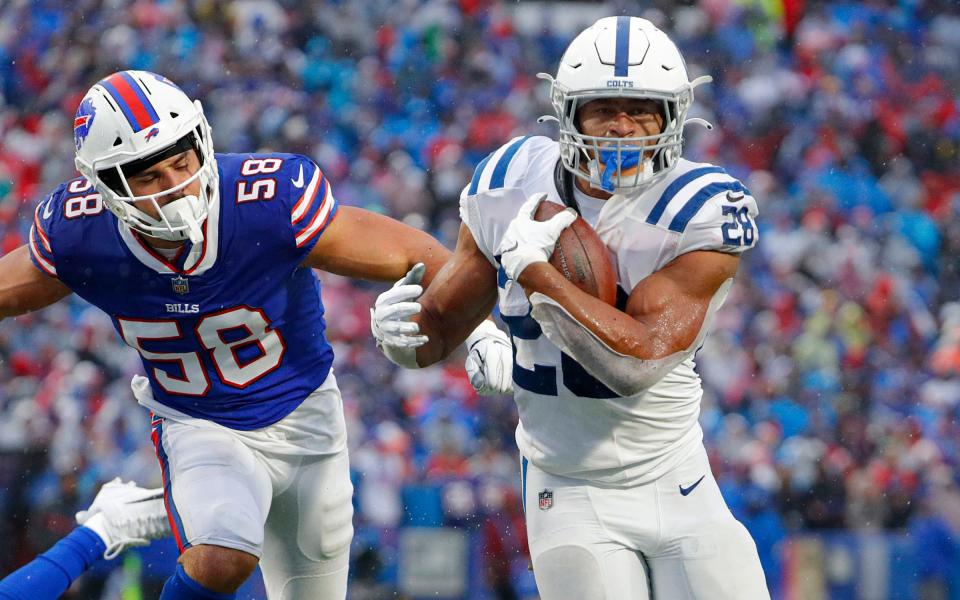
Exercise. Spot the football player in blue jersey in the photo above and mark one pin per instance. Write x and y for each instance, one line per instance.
(204, 263)
(619, 498)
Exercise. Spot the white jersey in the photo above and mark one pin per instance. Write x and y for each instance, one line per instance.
(570, 423)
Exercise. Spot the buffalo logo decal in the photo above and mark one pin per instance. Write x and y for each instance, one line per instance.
(82, 122)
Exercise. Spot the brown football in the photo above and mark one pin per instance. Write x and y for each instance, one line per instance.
(582, 257)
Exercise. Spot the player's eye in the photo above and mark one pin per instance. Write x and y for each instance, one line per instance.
(644, 110)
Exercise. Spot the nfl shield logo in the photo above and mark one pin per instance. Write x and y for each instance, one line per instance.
(180, 284)
(546, 499)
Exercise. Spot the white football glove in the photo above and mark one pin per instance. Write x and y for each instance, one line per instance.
(527, 241)
(489, 361)
(390, 322)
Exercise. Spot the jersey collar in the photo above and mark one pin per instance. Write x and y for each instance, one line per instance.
(199, 259)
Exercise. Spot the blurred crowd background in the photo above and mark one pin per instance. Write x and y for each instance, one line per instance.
(831, 381)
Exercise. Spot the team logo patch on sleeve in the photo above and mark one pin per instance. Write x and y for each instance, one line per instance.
(546, 499)
(82, 122)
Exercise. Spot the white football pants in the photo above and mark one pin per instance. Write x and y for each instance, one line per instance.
(293, 511)
(670, 539)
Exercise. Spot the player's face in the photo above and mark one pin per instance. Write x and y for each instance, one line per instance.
(164, 175)
(620, 117)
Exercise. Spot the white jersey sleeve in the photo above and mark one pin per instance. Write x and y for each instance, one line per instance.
(727, 222)
(702, 207)
(500, 184)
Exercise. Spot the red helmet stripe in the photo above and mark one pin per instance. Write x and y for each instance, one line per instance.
(131, 100)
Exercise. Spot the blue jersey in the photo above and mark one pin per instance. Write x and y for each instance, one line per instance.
(230, 330)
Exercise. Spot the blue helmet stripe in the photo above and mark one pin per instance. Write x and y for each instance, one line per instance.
(621, 59)
(654, 217)
(695, 203)
(500, 172)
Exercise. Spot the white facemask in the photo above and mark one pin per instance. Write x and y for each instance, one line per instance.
(184, 212)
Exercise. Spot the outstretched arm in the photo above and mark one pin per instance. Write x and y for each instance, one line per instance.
(23, 287)
(364, 245)
(461, 294)
(415, 330)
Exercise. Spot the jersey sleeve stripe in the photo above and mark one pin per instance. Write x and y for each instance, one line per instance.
(523, 484)
(695, 203)
(678, 184)
(37, 255)
(320, 219)
(499, 176)
(300, 208)
(40, 232)
(477, 173)
(501, 276)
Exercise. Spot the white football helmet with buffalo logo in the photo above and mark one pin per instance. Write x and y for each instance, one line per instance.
(622, 57)
(131, 120)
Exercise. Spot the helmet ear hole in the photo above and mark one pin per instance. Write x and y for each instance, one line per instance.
(117, 142)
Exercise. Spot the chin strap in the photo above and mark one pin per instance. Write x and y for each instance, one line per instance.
(563, 181)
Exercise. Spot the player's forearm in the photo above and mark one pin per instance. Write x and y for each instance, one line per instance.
(440, 341)
(446, 330)
(364, 245)
(389, 262)
(457, 301)
(402, 247)
(618, 330)
(431, 253)
(452, 309)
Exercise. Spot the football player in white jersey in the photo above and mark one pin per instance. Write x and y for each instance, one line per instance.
(619, 498)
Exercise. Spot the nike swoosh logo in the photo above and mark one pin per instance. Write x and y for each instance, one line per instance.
(48, 209)
(298, 182)
(150, 498)
(734, 197)
(686, 491)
